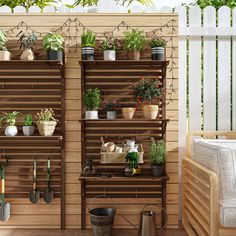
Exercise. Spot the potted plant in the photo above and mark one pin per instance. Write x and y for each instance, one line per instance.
(28, 128)
(157, 156)
(53, 44)
(134, 42)
(148, 92)
(10, 120)
(109, 46)
(92, 99)
(46, 122)
(27, 42)
(88, 42)
(4, 53)
(128, 112)
(110, 107)
(158, 48)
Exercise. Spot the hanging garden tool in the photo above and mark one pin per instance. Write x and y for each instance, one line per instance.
(5, 207)
(34, 196)
(48, 194)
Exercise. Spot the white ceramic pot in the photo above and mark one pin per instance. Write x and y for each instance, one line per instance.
(5, 56)
(91, 115)
(109, 55)
(28, 130)
(11, 131)
(27, 55)
(111, 115)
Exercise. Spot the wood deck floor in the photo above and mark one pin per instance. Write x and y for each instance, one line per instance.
(81, 233)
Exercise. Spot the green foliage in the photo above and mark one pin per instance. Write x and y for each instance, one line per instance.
(110, 105)
(157, 42)
(10, 118)
(92, 99)
(216, 3)
(53, 42)
(147, 90)
(88, 39)
(132, 159)
(157, 153)
(134, 40)
(28, 120)
(3, 40)
(27, 41)
(45, 115)
(110, 43)
(28, 3)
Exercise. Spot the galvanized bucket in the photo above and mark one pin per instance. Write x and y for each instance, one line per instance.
(102, 220)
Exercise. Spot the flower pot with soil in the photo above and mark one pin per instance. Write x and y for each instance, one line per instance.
(158, 48)
(53, 44)
(134, 42)
(110, 108)
(92, 100)
(27, 43)
(128, 112)
(46, 122)
(88, 42)
(28, 128)
(5, 55)
(10, 120)
(158, 157)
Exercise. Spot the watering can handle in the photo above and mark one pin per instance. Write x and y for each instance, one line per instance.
(98, 196)
(161, 208)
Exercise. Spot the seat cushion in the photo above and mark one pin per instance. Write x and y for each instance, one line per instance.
(228, 213)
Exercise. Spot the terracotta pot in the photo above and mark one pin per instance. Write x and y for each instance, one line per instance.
(27, 55)
(150, 112)
(128, 112)
(46, 128)
(134, 55)
(5, 56)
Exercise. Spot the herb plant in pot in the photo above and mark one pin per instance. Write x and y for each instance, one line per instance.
(53, 44)
(88, 42)
(109, 46)
(158, 48)
(110, 107)
(27, 42)
(134, 42)
(10, 120)
(5, 55)
(158, 157)
(46, 122)
(92, 100)
(147, 92)
(28, 128)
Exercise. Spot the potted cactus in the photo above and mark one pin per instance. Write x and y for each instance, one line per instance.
(46, 122)
(158, 48)
(27, 42)
(53, 44)
(5, 55)
(10, 120)
(28, 128)
(88, 42)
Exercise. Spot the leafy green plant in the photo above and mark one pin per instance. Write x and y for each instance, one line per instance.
(53, 42)
(10, 118)
(216, 3)
(134, 40)
(92, 99)
(3, 40)
(110, 43)
(28, 120)
(110, 105)
(45, 115)
(157, 153)
(88, 39)
(157, 42)
(132, 159)
(27, 41)
(147, 91)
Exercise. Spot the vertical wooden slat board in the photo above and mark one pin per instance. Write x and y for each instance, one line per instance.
(224, 73)
(209, 67)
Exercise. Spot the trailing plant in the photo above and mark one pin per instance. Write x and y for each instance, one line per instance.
(53, 42)
(132, 159)
(157, 153)
(88, 39)
(10, 118)
(157, 42)
(147, 91)
(27, 41)
(110, 105)
(110, 43)
(3, 40)
(28, 120)
(134, 40)
(92, 99)
(45, 115)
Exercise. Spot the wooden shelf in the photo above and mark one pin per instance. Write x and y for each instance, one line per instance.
(126, 62)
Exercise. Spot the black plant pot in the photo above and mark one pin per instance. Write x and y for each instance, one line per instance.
(88, 54)
(55, 55)
(157, 171)
(158, 54)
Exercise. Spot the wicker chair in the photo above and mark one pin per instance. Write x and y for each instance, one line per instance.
(202, 192)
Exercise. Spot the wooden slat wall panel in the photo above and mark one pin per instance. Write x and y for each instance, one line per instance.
(97, 22)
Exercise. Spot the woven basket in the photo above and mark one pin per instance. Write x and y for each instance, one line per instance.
(46, 128)
(113, 157)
